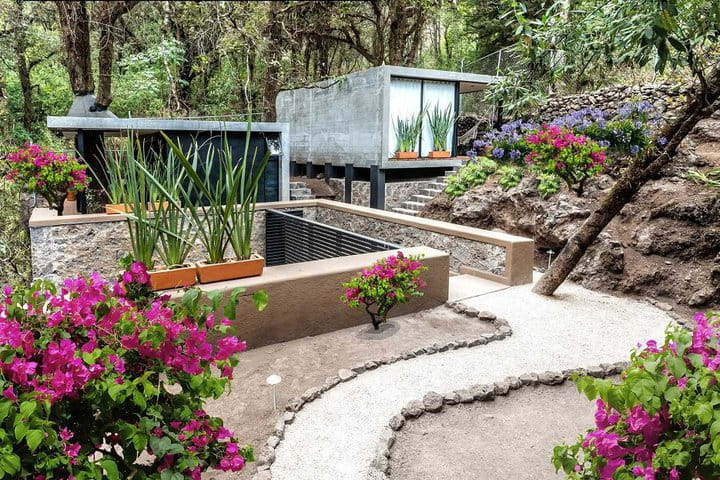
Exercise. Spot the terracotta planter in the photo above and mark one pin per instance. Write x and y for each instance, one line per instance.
(439, 154)
(71, 196)
(115, 208)
(406, 155)
(184, 276)
(230, 269)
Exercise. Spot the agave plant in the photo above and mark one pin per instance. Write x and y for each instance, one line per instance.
(407, 132)
(441, 121)
(111, 176)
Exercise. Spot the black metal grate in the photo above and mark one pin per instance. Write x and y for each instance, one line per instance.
(289, 238)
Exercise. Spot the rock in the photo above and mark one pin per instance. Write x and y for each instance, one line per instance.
(280, 428)
(288, 417)
(501, 322)
(295, 404)
(476, 342)
(330, 382)
(505, 331)
(452, 398)
(419, 351)
(664, 306)
(266, 458)
(445, 348)
(408, 355)
(465, 396)
(310, 394)
(620, 367)
(263, 475)
(273, 441)
(371, 365)
(501, 388)
(489, 336)
(461, 344)
(596, 371)
(430, 350)
(433, 402)
(344, 374)
(551, 378)
(486, 316)
(513, 382)
(471, 312)
(359, 368)
(397, 422)
(701, 297)
(483, 392)
(529, 379)
(413, 409)
(459, 308)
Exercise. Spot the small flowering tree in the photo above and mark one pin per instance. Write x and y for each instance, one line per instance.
(51, 175)
(558, 151)
(661, 421)
(389, 282)
(95, 385)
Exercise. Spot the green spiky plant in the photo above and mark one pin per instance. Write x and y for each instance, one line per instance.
(441, 121)
(407, 132)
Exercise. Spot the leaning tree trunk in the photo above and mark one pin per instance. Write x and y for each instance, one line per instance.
(703, 103)
(75, 28)
(22, 66)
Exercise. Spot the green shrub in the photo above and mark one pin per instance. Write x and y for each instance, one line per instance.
(473, 174)
(510, 176)
(549, 184)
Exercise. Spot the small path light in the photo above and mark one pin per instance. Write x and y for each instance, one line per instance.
(550, 255)
(274, 380)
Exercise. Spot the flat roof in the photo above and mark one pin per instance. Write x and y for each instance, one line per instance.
(119, 126)
(441, 75)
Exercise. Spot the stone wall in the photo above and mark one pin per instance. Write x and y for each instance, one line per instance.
(666, 97)
(463, 251)
(395, 192)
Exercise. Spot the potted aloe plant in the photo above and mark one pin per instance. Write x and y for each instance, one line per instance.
(440, 121)
(223, 209)
(176, 232)
(407, 132)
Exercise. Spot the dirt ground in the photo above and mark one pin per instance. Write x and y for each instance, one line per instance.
(307, 362)
(511, 437)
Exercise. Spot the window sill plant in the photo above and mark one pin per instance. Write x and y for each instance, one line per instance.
(440, 121)
(407, 132)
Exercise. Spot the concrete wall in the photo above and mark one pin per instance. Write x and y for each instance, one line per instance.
(395, 192)
(304, 298)
(339, 121)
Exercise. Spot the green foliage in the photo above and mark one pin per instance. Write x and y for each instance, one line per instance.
(389, 282)
(510, 176)
(440, 121)
(407, 132)
(473, 174)
(711, 177)
(661, 419)
(549, 184)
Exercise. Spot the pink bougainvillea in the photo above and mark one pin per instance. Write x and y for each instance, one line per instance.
(43, 171)
(661, 420)
(387, 283)
(85, 368)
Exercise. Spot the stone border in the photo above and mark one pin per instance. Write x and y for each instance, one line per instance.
(433, 402)
(294, 405)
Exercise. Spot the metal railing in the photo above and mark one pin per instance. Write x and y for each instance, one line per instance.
(289, 238)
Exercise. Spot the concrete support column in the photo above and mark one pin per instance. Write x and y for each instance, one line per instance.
(349, 177)
(377, 187)
(328, 172)
(90, 146)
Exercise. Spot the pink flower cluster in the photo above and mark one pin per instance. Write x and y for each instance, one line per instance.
(562, 139)
(33, 160)
(388, 269)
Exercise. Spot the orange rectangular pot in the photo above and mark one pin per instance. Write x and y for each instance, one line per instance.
(115, 208)
(184, 276)
(230, 269)
(406, 155)
(439, 154)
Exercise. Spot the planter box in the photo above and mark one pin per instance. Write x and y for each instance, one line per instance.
(185, 276)
(230, 270)
(116, 208)
(406, 155)
(439, 154)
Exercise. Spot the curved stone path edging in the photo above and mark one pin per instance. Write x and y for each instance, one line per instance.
(335, 436)
(294, 405)
(433, 402)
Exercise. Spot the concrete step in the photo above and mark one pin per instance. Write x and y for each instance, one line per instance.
(406, 211)
(300, 191)
(410, 205)
(301, 197)
(298, 185)
(422, 198)
(431, 191)
(437, 185)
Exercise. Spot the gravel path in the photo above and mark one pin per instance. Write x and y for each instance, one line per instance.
(334, 437)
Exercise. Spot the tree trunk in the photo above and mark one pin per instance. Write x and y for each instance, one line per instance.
(107, 16)
(701, 106)
(274, 36)
(22, 66)
(75, 30)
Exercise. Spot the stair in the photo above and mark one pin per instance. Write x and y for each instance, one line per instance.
(417, 202)
(300, 191)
